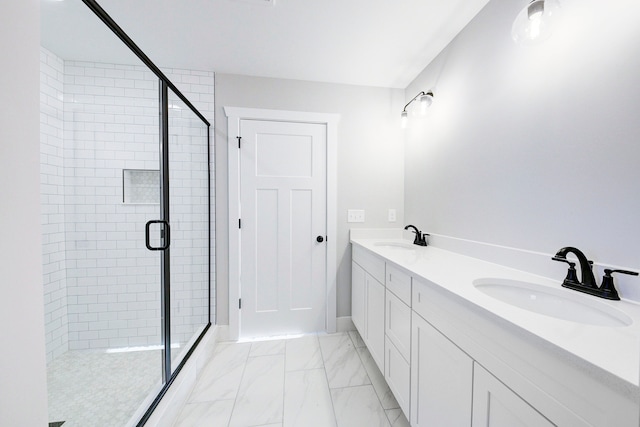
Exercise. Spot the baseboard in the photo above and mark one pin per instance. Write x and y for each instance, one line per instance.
(344, 324)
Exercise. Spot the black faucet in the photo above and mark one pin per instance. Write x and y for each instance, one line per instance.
(588, 282)
(421, 239)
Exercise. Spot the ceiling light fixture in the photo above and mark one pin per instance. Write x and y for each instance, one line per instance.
(535, 22)
(426, 98)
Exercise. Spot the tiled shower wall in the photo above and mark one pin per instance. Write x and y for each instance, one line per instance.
(110, 124)
(189, 234)
(52, 201)
(189, 201)
(113, 281)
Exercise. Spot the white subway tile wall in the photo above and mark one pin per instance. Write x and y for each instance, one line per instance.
(52, 201)
(101, 283)
(113, 281)
(188, 201)
(198, 87)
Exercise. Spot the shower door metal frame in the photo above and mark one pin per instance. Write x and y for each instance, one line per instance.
(165, 84)
(165, 262)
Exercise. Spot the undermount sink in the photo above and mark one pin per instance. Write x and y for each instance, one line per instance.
(397, 245)
(553, 302)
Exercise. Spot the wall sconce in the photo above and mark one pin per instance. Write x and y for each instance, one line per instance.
(534, 23)
(426, 98)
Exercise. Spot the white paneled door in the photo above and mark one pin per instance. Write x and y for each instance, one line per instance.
(283, 210)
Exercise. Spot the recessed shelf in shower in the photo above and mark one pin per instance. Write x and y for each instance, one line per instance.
(140, 186)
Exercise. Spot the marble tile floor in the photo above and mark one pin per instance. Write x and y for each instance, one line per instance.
(95, 388)
(324, 380)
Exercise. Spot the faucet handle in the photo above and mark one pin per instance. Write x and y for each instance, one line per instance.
(423, 240)
(572, 275)
(607, 282)
(608, 272)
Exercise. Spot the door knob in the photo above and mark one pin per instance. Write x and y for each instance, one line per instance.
(319, 239)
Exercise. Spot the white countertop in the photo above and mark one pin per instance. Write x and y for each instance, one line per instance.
(615, 350)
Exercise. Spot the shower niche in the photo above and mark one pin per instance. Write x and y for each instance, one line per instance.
(126, 217)
(140, 186)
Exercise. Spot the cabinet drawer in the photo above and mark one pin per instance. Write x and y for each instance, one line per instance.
(397, 372)
(419, 301)
(371, 263)
(398, 325)
(399, 283)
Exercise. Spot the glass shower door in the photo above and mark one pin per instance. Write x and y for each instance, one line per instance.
(189, 210)
(100, 141)
(125, 196)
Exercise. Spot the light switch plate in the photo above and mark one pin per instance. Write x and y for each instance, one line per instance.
(355, 215)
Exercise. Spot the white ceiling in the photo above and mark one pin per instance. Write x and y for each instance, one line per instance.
(366, 42)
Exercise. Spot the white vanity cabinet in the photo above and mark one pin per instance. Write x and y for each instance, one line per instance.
(516, 381)
(452, 362)
(368, 301)
(375, 320)
(441, 379)
(397, 369)
(381, 312)
(495, 405)
(358, 286)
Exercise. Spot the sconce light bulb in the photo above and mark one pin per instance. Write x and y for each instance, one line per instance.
(425, 102)
(535, 22)
(535, 9)
(404, 119)
(535, 12)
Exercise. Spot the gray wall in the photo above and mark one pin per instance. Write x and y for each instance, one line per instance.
(23, 394)
(533, 147)
(370, 158)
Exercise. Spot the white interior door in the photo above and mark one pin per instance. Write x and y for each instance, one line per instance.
(283, 209)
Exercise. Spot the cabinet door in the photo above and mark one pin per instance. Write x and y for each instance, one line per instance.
(358, 297)
(374, 313)
(398, 324)
(495, 405)
(441, 379)
(397, 372)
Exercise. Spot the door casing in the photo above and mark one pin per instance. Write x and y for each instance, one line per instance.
(234, 116)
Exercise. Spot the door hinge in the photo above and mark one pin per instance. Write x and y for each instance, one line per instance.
(239, 138)
(239, 303)
(239, 223)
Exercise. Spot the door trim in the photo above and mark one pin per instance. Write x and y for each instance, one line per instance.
(234, 116)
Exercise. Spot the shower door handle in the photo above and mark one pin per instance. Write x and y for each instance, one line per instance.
(167, 235)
